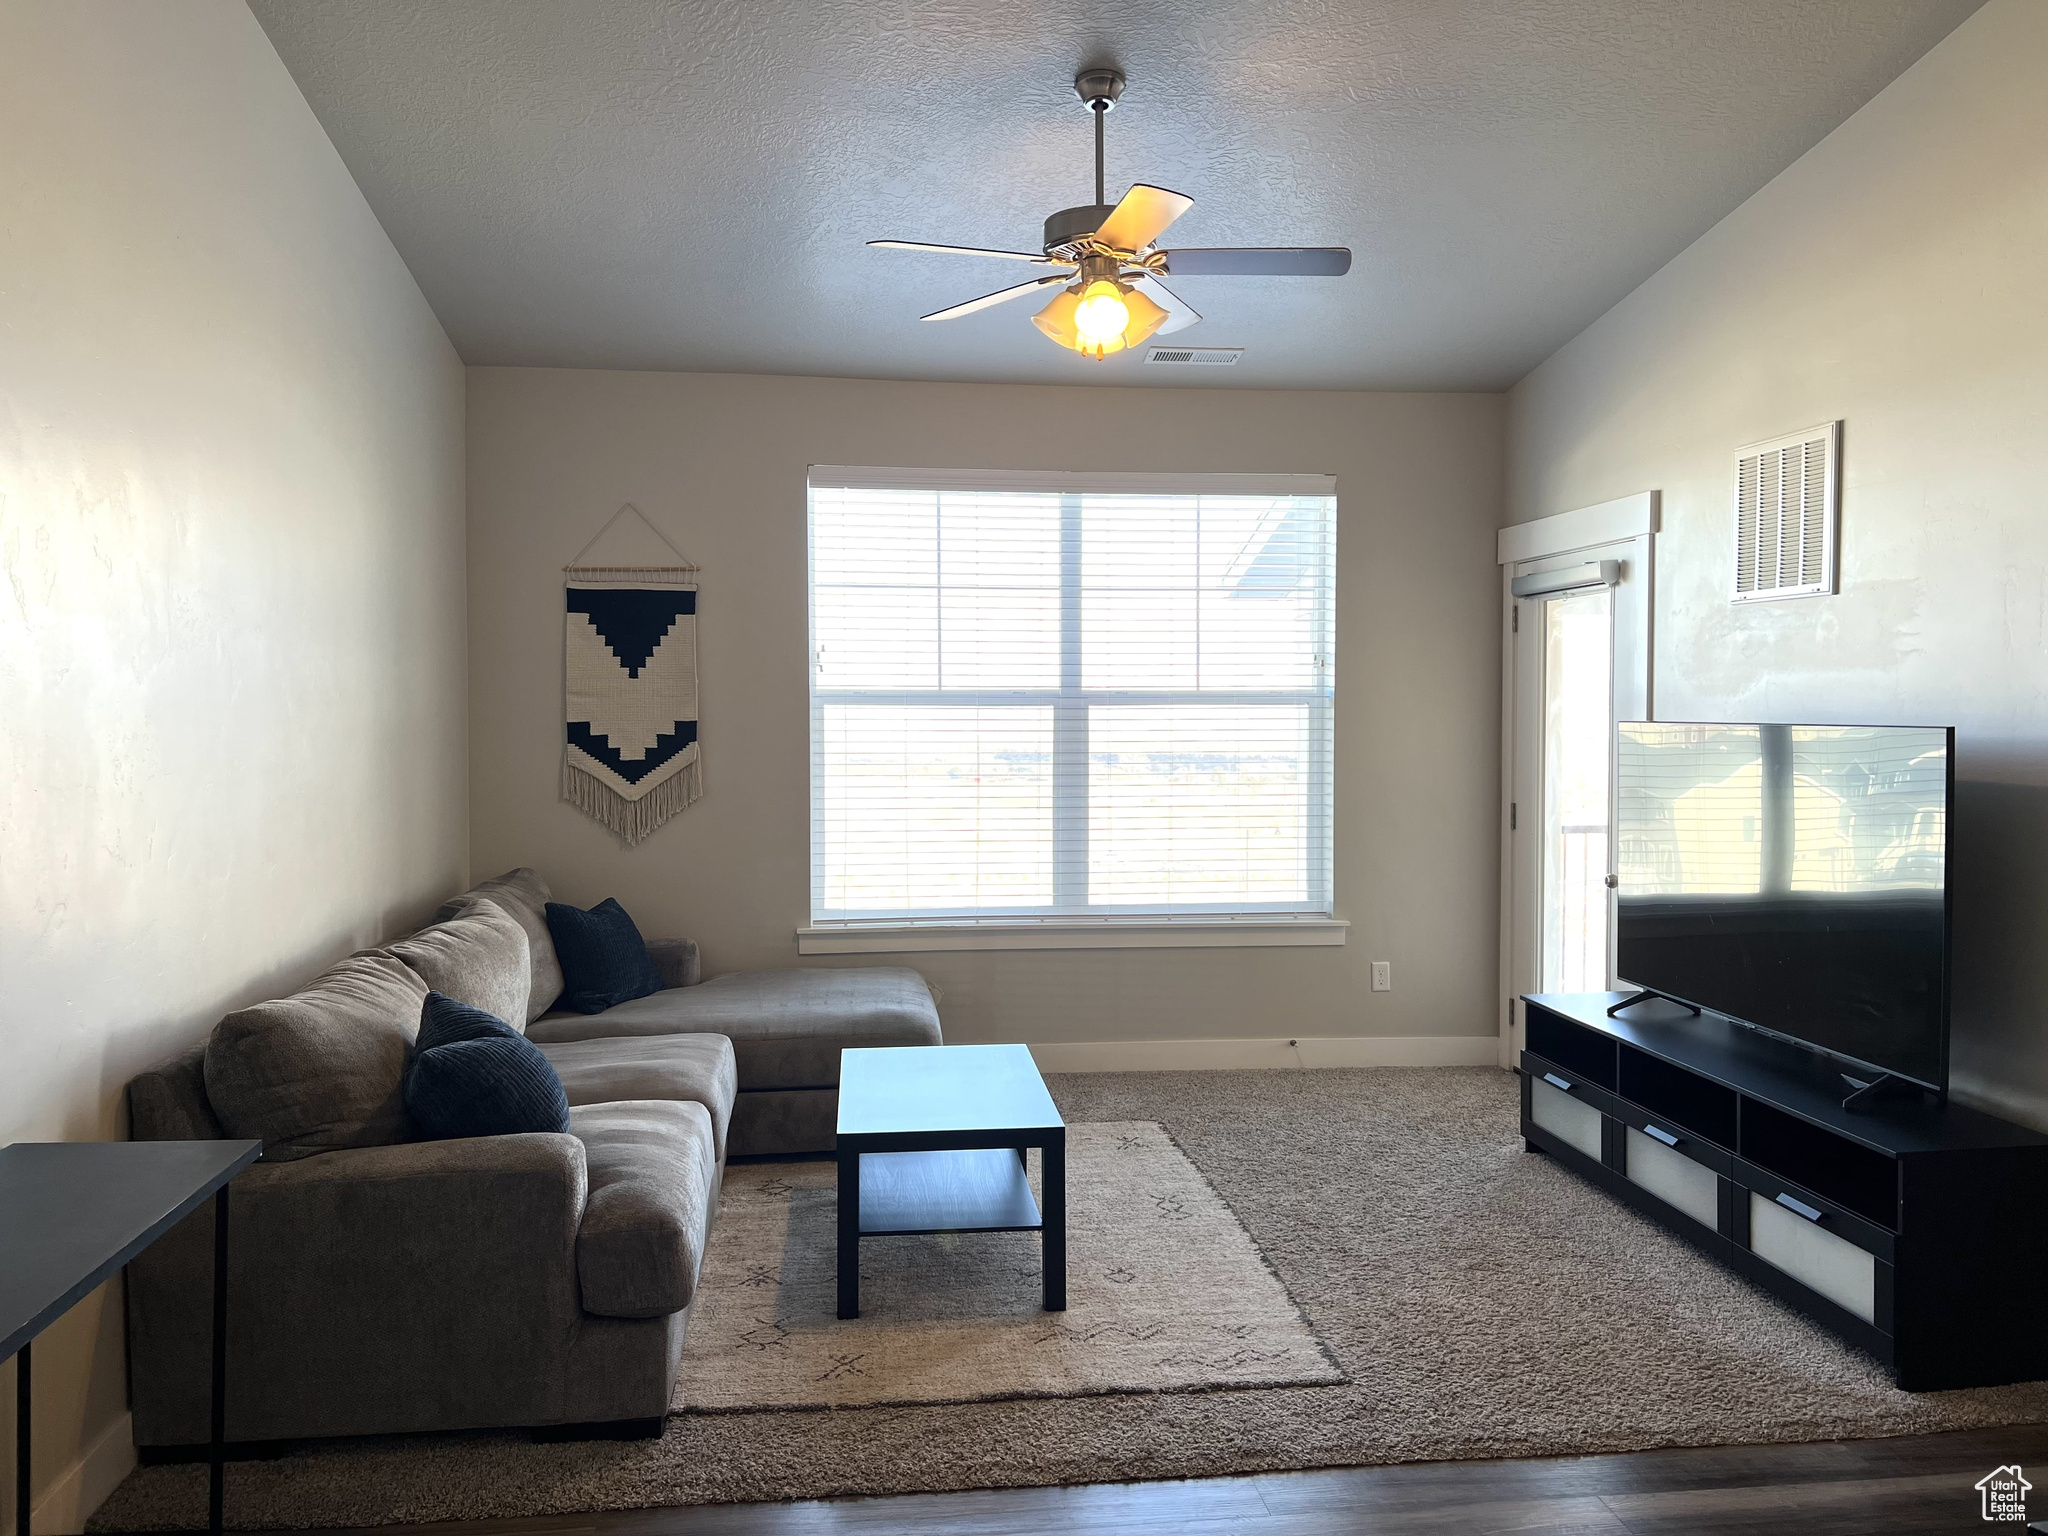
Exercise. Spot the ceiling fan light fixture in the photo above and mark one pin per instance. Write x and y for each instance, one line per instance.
(1060, 319)
(1101, 314)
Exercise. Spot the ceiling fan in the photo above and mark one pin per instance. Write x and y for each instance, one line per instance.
(1111, 297)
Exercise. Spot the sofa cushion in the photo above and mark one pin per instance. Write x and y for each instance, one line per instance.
(472, 1074)
(323, 1068)
(604, 959)
(653, 1186)
(786, 1027)
(523, 895)
(479, 958)
(695, 1069)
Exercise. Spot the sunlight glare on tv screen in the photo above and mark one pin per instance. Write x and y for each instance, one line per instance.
(1794, 877)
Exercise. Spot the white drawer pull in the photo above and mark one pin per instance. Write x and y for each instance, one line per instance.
(1657, 1134)
(1799, 1208)
(1557, 1082)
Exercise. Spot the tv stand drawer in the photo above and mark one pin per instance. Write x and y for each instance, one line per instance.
(1571, 1120)
(1673, 1178)
(1828, 1265)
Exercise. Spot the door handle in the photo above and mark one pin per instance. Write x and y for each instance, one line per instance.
(1800, 1208)
(1557, 1082)
(1656, 1133)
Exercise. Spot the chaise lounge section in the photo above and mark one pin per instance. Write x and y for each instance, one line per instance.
(787, 1027)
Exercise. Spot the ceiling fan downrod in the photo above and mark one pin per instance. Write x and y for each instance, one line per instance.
(1099, 88)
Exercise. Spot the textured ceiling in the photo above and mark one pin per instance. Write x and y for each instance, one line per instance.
(665, 185)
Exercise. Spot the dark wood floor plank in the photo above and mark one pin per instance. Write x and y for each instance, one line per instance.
(1907, 1485)
(973, 1512)
(1394, 1487)
(1507, 1517)
(1934, 1501)
(989, 1512)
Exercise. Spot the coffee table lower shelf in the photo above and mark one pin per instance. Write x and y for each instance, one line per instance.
(980, 1189)
(903, 1194)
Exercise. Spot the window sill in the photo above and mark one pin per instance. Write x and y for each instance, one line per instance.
(1257, 931)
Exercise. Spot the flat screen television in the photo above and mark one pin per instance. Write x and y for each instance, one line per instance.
(1793, 878)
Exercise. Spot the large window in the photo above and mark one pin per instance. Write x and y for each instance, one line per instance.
(1057, 697)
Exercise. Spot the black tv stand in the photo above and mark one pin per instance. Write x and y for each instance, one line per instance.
(1643, 995)
(1884, 1086)
(1910, 1226)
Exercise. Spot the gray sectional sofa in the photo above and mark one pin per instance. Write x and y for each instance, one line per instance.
(382, 1284)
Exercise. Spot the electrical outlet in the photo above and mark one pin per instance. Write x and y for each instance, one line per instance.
(1382, 976)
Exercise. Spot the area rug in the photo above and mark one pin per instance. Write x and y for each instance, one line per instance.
(1481, 1301)
(1166, 1292)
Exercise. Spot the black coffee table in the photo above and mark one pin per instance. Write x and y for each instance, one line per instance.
(932, 1138)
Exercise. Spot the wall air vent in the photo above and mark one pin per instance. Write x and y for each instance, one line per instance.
(1199, 357)
(1787, 502)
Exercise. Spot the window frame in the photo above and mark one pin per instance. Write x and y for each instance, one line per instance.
(1311, 922)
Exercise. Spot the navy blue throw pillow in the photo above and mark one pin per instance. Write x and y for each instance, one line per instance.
(604, 959)
(472, 1074)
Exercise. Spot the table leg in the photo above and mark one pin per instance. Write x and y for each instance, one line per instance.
(21, 1440)
(849, 1234)
(1053, 1234)
(215, 1455)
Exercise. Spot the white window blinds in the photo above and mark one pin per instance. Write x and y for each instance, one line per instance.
(1058, 696)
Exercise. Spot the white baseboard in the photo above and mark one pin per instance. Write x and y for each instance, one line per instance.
(1231, 1055)
(85, 1484)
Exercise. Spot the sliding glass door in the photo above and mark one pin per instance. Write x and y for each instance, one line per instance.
(1576, 611)
(1575, 633)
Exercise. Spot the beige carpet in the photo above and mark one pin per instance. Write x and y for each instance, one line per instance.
(1481, 1301)
(1166, 1293)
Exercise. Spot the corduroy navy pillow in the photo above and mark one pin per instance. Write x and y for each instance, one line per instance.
(604, 959)
(472, 1074)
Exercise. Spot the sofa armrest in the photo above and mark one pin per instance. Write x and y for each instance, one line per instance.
(677, 961)
(653, 1187)
(362, 1280)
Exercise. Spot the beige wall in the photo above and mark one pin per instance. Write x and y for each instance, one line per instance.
(718, 462)
(231, 625)
(1893, 277)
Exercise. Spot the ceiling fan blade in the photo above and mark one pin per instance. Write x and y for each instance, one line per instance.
(1262, 261)
(1001, 296)
(1180, 314)
(1142, 217)
(966, 250)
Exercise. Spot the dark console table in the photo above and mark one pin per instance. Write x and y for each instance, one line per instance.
(73, 1214)
(1916, 1230)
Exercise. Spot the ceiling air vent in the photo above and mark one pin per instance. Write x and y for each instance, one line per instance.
(1199, 357)
(1786, 499)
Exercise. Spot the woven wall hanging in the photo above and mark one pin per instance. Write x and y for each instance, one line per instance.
(630, 758)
